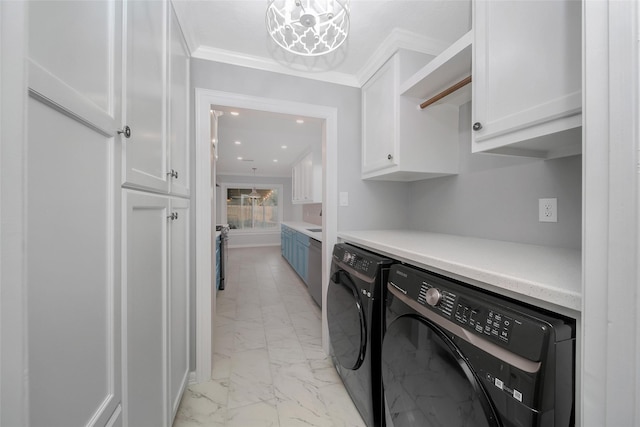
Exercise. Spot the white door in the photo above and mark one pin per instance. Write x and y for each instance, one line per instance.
(178, 301)
(145, 159)
(72, 213)
(144, 318)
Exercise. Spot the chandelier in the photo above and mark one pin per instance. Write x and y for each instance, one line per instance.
(308, 27)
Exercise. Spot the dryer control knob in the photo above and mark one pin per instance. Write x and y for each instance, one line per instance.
(433, 297)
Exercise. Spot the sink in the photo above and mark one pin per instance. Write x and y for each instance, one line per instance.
(315, 230)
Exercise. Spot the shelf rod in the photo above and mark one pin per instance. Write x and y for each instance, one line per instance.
(445, 92)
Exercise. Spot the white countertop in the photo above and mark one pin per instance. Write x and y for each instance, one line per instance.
(303, 227)
(548, 277)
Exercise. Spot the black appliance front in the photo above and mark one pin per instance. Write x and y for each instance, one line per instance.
(354, 312)
(455, 356)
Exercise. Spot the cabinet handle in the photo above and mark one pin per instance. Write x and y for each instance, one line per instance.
(389, 157)
(126, 131)
(477, 126)
(173, 174)
(173, 216)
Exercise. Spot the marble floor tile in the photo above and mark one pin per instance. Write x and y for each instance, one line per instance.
(269, 368)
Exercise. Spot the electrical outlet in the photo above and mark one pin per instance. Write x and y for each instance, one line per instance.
(548, 210)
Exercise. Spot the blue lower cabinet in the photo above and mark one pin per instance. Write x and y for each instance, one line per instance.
(295, 249)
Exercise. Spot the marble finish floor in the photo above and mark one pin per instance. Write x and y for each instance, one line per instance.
(269, 368)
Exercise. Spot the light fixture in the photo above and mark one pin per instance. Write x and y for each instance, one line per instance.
(308, 27)
(254, 194)
(299, 121)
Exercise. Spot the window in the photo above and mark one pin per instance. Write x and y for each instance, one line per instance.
(244, 213)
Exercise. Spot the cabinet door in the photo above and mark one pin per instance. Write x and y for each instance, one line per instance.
(145, 316)
(379, 107)
(178, 302)
(178, 109)
(526, 70)
(145, 153)
(72, 213)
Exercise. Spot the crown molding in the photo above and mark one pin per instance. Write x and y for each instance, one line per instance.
(397, 39)
(265, 64)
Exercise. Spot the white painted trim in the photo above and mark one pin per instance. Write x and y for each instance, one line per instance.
(205, 299)
(610, 345)
(205, 304)
(14, 399)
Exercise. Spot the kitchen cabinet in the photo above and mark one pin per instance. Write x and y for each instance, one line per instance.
(307, 179)
(400, 141)
(295, 249)
(301, 256)
(156, 156)
(527, 72)
(155, 316)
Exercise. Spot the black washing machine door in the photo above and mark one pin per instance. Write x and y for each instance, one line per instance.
(347, 322)
(427, 382)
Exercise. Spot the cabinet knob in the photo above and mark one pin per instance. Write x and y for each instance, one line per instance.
(126, 131)
(389, 157)
(477, 126)
(173, 216)
(173, 174)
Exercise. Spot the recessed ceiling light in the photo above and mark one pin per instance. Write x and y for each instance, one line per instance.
(284, 147)
(300, 121)
(239, 158)
(275, 160)
(235, 113)
(237, 142)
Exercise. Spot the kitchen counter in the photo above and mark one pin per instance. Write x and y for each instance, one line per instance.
(547, 277)
(303, 227)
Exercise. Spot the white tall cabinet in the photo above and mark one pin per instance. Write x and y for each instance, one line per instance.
(72, 225)
(107, 213)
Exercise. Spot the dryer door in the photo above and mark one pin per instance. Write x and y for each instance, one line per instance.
(346, 318)
(427, 381)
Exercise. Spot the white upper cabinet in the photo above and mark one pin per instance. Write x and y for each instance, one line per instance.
(527, 77)
(145, 159)
(157, 96)
(178, 109)
(307, 179)
(401, 142)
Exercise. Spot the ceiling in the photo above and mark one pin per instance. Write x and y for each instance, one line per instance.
(255, 139)
(233, 31)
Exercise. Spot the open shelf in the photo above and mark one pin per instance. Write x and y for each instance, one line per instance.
(445, 70)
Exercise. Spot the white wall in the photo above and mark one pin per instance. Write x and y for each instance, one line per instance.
(496, 197)
(364, 196)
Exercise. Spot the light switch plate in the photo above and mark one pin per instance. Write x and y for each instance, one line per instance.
(344, 198)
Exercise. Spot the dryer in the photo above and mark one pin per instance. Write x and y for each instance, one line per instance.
(354, 313)
(454, 355)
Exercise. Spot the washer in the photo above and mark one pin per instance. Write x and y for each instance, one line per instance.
(354, 312)
(454, 355)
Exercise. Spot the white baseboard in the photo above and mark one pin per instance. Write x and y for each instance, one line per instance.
(253, 245)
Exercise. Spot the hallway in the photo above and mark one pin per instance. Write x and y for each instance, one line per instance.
(269, 368)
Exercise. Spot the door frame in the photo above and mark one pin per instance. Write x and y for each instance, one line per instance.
(14, 399)
(205, 298)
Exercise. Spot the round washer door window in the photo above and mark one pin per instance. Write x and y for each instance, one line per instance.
(426, 380)
(347, 327)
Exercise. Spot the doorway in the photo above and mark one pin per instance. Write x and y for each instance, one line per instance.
(205, 207)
